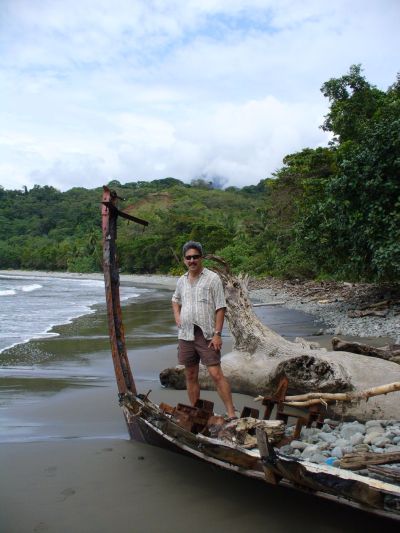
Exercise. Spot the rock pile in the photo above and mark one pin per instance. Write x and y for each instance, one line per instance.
(336, 439)
(331, 303)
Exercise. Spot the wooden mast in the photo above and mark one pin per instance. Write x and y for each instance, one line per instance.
(110, 213)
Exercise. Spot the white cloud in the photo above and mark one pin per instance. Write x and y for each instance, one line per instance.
(141, 89)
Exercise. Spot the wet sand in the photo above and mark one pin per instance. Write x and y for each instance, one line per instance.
(66, 463)
(106, 485)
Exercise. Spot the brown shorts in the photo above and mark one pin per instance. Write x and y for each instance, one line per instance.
(190, 353)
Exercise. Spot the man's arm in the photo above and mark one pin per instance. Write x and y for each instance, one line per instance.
(216, 341)
(177, 313)
(219, 319)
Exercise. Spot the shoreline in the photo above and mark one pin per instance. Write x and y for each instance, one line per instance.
(331, 305)
(157, 280)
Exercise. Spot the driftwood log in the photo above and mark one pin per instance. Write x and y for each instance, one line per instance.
(313, 398)
(260, 358)
(359, 460)
(390, 353)
(376, 309)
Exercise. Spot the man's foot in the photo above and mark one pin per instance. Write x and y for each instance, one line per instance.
(234, 416)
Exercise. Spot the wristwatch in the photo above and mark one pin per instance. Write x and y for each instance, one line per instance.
(217, 333)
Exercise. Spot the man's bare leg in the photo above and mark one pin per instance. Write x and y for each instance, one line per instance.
(192, 383)
(223, 388)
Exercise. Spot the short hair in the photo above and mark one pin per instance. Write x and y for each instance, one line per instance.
(192, 244)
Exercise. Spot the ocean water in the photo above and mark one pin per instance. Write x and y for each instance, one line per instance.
(30, 306)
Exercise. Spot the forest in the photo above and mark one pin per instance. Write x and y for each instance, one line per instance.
(328, 213)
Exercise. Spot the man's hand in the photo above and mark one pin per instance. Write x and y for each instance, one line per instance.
(216, 343)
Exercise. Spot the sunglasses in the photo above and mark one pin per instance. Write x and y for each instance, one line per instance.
(194, 257)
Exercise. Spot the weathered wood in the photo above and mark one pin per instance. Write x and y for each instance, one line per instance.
(359, 460)
(313, 398)
(264, 449)
(260, 358)
(241, 431)
(120, 359)
(385, 352)
(367, 312)
(386, 472)
(378, 305)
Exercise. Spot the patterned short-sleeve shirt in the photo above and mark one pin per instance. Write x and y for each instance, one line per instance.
(199, 303)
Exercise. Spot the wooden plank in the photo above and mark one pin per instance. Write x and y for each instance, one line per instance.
(262, 441)
(384, 471)
(123, 373)
(359, 460)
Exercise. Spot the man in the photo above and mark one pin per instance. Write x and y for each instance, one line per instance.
(199, 310)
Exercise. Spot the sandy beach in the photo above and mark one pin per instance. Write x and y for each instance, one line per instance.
(66, 461)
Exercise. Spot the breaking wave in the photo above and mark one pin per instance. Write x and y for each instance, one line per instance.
(8, 292)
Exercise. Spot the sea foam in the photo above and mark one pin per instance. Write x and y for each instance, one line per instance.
(8, 292)
(30, 288)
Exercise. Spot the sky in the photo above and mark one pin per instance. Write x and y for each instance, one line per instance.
(96, 90)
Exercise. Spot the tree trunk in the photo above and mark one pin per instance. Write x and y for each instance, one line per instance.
(386, 352)
(260, 357)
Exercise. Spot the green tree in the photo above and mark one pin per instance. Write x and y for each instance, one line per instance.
(354, 101)
(353, 229)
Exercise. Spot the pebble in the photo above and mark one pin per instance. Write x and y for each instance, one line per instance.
(309, 451)
(377, 450)
(337, 452)
(381, 442)
(309, 432)
(327, 437)
(372, 423)
(391, 448)
(349, 429)
(357, 438)
(318, 458)
(298, 445)
(337, 439)
(361, 448)
(331, 423)
(375, 429)
(287, 449)
(370, 438)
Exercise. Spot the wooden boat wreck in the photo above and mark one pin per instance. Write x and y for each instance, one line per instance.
(250, 445)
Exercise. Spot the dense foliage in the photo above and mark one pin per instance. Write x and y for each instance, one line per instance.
(328, 212)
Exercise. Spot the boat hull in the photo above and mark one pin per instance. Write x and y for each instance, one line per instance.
(148, 424)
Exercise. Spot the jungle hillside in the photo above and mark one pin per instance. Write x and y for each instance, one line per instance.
(328, 213)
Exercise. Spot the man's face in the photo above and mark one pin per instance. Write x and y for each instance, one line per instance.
(193, 260)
